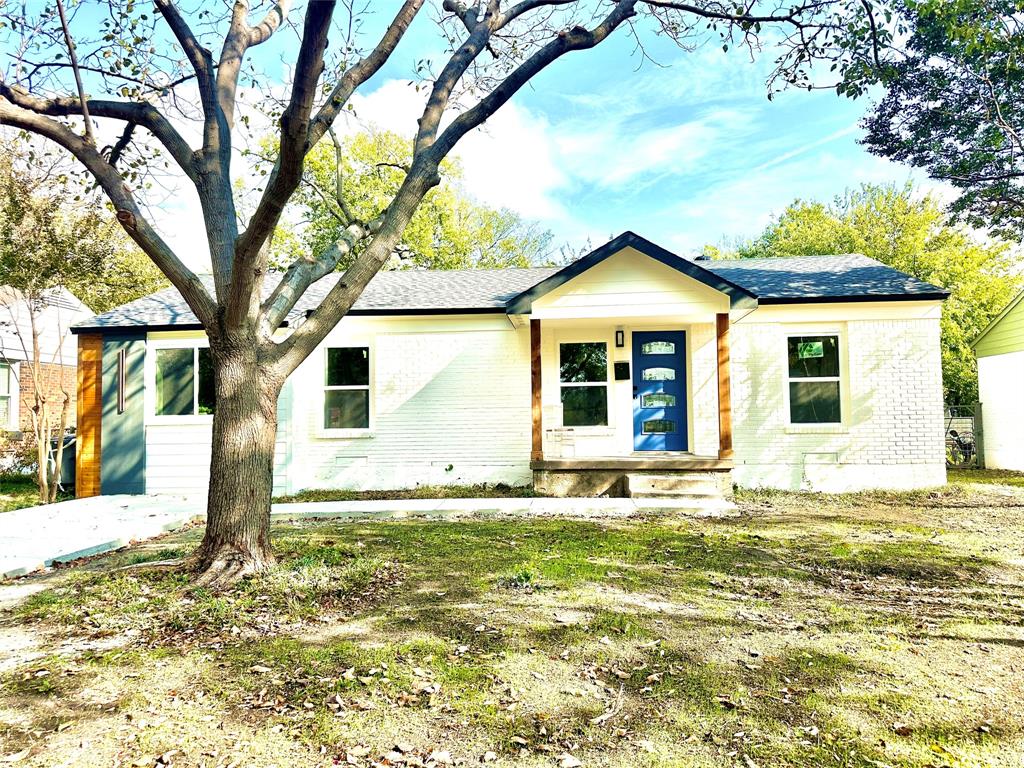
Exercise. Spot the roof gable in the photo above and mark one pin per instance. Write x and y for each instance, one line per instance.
(738, 297)
(1006, 331)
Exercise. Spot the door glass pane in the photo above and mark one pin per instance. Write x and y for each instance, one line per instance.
(658, 400)
(654, 426)
(207, 393)
(658, 348)
(348, 366)
(347, 409)
(813, 356)
(585, 361)
(174, 382)
(584, 406)
(814, 402)
(659, 374)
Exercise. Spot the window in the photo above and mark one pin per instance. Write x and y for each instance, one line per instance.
(347, 388)
(6, 390)
(184, 381)
(655, 426)
(583, 373)
(658, 348)
(657, 400)
(659, 374)
(814, 392)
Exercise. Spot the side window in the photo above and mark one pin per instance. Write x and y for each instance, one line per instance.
(814, 380)
(6, 392)
(347, 388)
(583, 376)
(184, 381)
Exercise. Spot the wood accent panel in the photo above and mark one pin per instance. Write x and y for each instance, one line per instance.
(90, 414)
(537, 445)
(724, 388)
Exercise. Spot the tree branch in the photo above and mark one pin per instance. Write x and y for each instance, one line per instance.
(201, 60)
(128, 212)
(362, 71)
(146, 115)
(575, 39)
(73, 57)
(287, 172)
(480, 30)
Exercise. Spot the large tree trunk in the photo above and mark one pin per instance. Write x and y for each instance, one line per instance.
(237, 539)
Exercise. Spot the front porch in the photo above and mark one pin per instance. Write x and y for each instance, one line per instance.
(629, 355)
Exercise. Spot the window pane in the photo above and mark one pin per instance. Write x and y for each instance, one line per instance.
(813, 356)
(5, 379)
(347, 409)
(584, 406)
(814, 402)
(659, 400)
(659, 374)
(658, 348)
(207, 393)
(348, 367)
(655, 426)
(5, 411)
(174, 382)
(586, 361)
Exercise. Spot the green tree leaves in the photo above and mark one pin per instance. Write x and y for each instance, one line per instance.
(911, 233)
(448, 231)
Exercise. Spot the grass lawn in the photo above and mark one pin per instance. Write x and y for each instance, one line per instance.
(17, 493)
(813, 631)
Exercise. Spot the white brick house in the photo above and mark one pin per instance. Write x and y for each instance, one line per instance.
(821, 373)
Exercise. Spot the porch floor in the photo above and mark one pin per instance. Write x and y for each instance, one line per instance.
(645, 460)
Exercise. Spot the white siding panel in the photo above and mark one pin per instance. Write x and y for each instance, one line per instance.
(1002, 410)
(630, 284)
(178, 458)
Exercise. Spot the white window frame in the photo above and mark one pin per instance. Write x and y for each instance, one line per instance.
(9, 368)
(152, 417)
(843, 379)
(607, 383)
(347, 432)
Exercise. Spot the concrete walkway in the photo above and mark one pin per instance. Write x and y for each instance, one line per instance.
(36, 538)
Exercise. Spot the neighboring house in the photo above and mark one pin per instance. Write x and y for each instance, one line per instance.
(819, 373)
(1000, 353)
(58, 311)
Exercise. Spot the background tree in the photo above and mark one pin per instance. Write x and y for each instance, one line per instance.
(449, 230)
(912, 233)
(954, 105)
(146, 65)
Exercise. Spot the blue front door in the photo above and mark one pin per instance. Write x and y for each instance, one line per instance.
(659, 390)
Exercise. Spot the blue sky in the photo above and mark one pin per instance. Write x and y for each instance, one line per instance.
(686, 154)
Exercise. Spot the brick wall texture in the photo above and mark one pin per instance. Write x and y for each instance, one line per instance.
(52, 377)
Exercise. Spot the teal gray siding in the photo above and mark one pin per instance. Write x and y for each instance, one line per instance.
(123, 440)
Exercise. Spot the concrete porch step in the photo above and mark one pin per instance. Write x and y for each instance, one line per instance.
(695, 485)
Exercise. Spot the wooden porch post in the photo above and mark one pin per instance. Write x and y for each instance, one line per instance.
(537, 446)
(89, 406)
(724, 388)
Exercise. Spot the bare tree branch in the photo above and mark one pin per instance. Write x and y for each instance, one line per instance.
(73, 56)
(287, 172)
(362, 71)
(141, 113)
(128, 213)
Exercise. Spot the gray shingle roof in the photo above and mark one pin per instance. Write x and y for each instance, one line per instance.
(412, 292)
(820, 278)
(771, 280)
